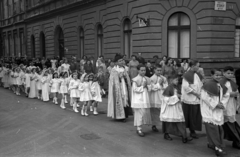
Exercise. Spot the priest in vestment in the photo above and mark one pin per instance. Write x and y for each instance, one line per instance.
(119, 93)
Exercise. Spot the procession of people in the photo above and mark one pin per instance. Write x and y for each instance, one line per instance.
(174, 92)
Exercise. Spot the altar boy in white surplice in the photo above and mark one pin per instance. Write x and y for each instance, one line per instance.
(214, 98)
(172, 117)
(158, 84)
(140, 100)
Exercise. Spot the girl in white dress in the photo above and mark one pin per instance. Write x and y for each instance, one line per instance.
(96, 91)
(6, 77)
(45, 85)
(50, 76)
(79, 82)
(73, 88)
(39, 83)
(11, 80)
(27, 81)
(64, 81)
(54, 83)
(18, 80)
(85, 93)
(33, 90)
(22, 77)
(1, 75)
(15, 81)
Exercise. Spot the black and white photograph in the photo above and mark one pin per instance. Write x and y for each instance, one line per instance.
(119, 78)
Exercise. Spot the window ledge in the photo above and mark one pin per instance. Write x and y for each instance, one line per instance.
(218, 60)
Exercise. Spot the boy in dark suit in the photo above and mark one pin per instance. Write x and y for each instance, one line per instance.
(149, 69)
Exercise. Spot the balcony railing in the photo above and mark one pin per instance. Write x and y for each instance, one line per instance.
(14, 19)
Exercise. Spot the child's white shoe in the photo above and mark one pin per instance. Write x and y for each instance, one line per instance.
(91, 108)
(86, 114)
(75, 110)
(95, 111)
(82, 111)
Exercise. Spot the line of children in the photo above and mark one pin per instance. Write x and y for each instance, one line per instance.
(219, 103)
(43, 84)
(152, 98)
(218, 99)
(154, 94)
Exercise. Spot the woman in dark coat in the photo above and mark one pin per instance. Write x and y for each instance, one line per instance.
(88, 67)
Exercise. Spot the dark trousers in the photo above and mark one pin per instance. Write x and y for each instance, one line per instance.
(215, 135)
(175, 128)
(231, 131)
(193, 117)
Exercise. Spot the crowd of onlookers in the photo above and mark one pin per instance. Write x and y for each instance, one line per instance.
(91, 65)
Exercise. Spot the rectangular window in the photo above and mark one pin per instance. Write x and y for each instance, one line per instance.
(21, 43)
(173, 44)
(6, 46)
(14, 44)
(3, 45)
(184, 46)
(14, 8)
(5, 9)
(127, 37)
(100, 44)
(9, 44)
(237, 42)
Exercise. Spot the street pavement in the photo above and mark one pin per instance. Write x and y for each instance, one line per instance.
(32, 128)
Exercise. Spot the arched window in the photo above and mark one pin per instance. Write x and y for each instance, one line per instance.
(81, 35)
(21, 38)
(42, 44)
(33, 46)
(4, 45)
(237, 37)
(9, 44)
(179, 36)
(1, 45)
(127, 37)
(15, 45)
(59, 42)
(100, 39)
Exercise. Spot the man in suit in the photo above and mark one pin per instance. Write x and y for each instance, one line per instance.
(156, 60)
(149, 69)
(92, 60)
(237, 77)
(140, 59)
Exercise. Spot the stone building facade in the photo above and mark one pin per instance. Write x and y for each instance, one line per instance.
(204, 29)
